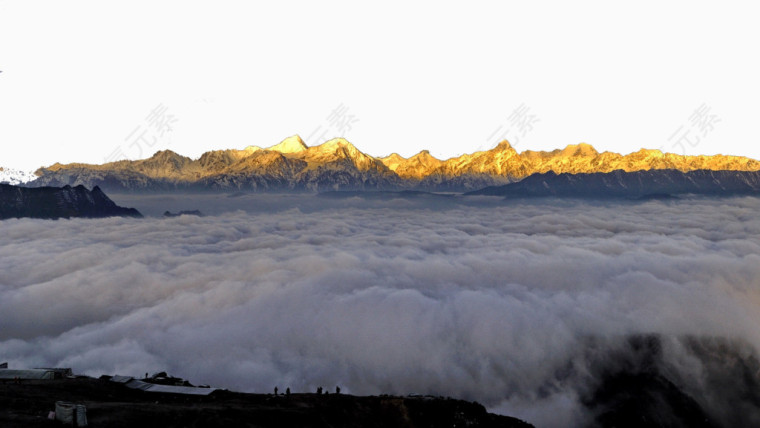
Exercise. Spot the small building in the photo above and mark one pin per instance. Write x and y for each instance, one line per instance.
(38, 373)
(27, 374)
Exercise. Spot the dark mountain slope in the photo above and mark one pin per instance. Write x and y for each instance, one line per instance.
(635, 184)
(58, 202)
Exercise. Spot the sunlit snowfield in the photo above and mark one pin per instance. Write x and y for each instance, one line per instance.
(479, 299)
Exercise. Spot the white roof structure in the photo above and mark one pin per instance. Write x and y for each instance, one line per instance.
(133, 383)
(27, 374)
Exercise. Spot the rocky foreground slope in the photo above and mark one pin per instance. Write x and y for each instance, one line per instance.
(54, 203)
(339, 165)
(629, 381)
(27, 404)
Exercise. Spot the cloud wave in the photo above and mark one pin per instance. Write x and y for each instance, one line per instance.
(482, 301)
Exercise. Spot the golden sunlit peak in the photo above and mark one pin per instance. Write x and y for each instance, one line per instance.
(581, 149)
(337, 143)
(503, 146)
(650, 152)
(293, 144)
(394, 157)
(252, 149)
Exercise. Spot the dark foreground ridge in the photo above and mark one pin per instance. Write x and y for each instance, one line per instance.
(111, 404)
(621, 381)
(58, 202)
(650, 184)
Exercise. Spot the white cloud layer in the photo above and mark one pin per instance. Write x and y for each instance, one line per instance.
(486, 301)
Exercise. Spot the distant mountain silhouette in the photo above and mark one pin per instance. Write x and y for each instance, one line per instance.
(651, 184)
(196, 213)
(58, 202)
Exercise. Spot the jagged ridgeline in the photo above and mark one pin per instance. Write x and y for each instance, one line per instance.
(58, 202)
(338, 165)
(647, 184)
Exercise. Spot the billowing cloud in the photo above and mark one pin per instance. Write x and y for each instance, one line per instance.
(486, 300)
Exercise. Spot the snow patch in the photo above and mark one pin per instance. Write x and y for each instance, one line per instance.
(16, 177)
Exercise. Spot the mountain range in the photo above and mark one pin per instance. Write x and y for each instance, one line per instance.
(645, 184)
(54, 203)
(338, 165)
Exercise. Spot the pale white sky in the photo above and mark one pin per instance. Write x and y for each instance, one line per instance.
(80, 78)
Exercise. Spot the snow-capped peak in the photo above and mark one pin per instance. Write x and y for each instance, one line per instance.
(292, 144)
(16, 177)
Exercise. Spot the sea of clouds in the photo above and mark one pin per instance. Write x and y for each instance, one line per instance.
(479, 299)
